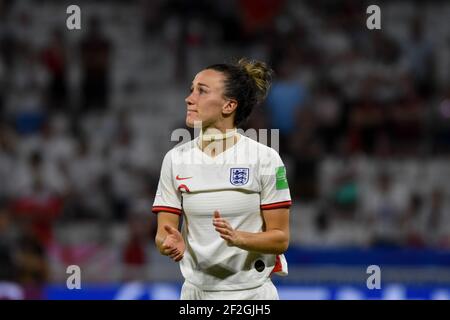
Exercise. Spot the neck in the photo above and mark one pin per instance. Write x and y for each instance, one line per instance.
(214, 141)
(214, 134)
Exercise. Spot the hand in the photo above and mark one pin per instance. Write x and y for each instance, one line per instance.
(225, 230)
(173, 245)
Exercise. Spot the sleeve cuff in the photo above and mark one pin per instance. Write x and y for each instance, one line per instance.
(156, 209)
(276, 205)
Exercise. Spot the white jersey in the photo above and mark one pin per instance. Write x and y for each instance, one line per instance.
(238, 182)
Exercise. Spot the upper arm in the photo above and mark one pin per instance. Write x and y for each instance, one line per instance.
(167, 198)
(276, 219)
(275, 192)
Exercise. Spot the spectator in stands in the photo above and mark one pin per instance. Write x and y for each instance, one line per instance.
(2, 86)
(96, 51)
(406, 118)
(437, 219)
(38, 205)
(8, 48)
(414, 223)
(9, 287)
(8, 146)
(54, 59)
(306, 153)
(286, 99)
(440, 126)
(366, 119)
(419, 57)
(345, 195)
(26, 104)
(153, 17)
(328, 111)
(385, 207)
(89, 184)
(56, 142)
(134, 256)
(33, 269)
(258, 16)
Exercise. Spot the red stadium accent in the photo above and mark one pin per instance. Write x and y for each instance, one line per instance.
(157, 209)
(276, 205)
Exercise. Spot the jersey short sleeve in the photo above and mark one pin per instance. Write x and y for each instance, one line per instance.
(274, 185)
(167, 197)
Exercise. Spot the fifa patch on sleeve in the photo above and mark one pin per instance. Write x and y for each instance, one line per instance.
(281, 179)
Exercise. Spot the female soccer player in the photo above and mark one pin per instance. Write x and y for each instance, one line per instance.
(231, 191)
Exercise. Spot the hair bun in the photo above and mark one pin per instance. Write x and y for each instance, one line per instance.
(260, 73)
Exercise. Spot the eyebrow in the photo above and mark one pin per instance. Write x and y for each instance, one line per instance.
(200, 84)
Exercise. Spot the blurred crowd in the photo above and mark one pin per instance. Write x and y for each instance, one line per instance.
(86, 116)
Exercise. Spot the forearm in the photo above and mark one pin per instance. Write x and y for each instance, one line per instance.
(271, 241)
(159, 239)
(164, 219)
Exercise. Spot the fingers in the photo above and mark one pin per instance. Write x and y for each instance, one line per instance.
(224, 228)
(221, 223)
(219, 220)
(168, 249)
(172, 252)
(177, 257)
(227, 238)
(223, 231)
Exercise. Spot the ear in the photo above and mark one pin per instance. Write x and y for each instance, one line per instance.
(229, 107)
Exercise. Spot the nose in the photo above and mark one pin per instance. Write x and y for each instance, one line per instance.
(189, 101)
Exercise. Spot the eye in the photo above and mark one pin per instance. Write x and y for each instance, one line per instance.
(201, 90)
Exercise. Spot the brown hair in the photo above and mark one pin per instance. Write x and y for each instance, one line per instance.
(247, 81)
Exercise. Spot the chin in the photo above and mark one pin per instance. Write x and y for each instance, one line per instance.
(191, 123)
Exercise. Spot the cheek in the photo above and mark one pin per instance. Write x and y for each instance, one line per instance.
(209, 109)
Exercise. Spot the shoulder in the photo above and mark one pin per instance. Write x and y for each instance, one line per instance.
(265, 152)
(256, 146)
(179, 151)
(185, 147)
(257, 150)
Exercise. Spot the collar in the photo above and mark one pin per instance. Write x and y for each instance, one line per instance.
(219, 136)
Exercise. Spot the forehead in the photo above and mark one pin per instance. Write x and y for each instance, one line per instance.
(212, 78)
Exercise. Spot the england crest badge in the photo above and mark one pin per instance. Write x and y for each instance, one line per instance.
(239, 176)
